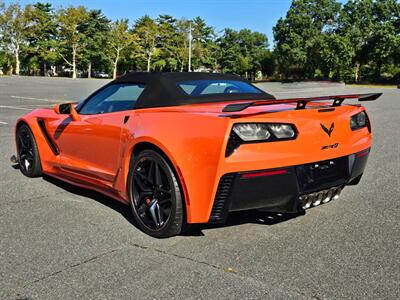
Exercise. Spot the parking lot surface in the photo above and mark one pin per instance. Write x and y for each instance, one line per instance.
(62, 242)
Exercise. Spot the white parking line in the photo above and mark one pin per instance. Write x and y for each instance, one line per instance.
(3, 123)
(14, 107)
(36, 99)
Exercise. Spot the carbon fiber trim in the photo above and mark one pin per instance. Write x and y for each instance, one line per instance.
(233, 143)
(221, 202)
(47, 137)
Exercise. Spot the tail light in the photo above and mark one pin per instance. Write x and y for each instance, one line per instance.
(243, 133)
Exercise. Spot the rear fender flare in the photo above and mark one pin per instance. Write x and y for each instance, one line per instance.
(151, 143)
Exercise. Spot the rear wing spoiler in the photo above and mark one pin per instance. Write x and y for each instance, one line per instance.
(301, 102)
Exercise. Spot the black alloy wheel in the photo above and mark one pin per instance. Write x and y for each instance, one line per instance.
(28, 153)
(155, 195)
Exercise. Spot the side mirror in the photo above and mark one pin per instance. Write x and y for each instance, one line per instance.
(67, 109)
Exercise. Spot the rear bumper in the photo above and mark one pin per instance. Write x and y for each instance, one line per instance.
(279, 189)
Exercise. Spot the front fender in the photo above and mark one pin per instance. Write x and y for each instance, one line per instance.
(47, 158)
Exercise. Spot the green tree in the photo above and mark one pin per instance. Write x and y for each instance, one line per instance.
(120, 39)
(337, 54)
(373, 28)
(148, 37)
(242, 52)
(385, 38)
(298, 36)
(268, 63)
(167, 26)
(41, 34)
(13, 23)
(96, 30)
(72, 39)
(203, 43)
(384, 45)
(5, 63)
(181, 44)
(173, 43)
(356, 21)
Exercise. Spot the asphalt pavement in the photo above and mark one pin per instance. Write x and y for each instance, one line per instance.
(62, 242)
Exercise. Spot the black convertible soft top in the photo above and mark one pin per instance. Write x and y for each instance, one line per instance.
(162, 89)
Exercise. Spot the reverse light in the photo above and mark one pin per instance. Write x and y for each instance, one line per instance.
(252, 132)
(358, 121)
(282, 131)
(244, 133)
(249, 132)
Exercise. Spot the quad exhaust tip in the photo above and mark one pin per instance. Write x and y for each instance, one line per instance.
(321, 197)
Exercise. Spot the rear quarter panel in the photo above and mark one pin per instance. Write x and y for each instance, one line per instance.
(193, 143)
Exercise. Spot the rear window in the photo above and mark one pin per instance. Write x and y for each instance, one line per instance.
(208, 87)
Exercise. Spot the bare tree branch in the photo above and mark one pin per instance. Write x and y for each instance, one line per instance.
(62, 56)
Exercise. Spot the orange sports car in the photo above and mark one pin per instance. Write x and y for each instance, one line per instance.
(183, 148)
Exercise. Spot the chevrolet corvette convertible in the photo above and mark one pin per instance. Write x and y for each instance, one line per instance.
(183, 148)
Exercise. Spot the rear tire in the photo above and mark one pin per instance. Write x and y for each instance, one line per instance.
(28, 153)
(155, 196)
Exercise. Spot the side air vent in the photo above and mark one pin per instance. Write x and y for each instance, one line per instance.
(368, 123)
(233, 143)
(221, 201)
(47, 137)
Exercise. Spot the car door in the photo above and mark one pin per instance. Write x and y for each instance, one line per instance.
(91, 146)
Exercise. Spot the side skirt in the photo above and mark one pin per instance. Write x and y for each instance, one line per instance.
(87, 185)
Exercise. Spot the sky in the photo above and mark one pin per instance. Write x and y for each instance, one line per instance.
(257, 15)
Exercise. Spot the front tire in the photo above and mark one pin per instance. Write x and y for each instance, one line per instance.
(155, 196)
(28, 153)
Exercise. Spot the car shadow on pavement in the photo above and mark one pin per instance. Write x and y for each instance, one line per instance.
(244, 217)
(234, 218)
(119, 207)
